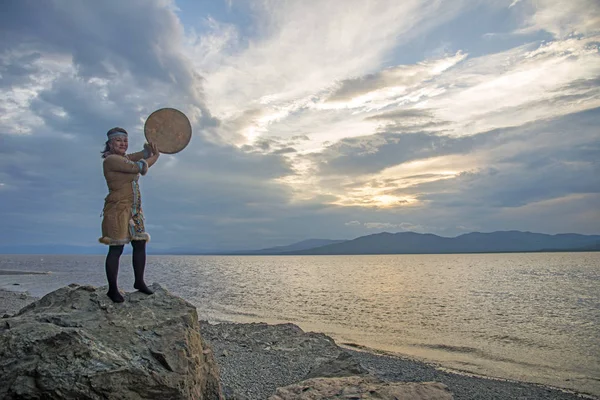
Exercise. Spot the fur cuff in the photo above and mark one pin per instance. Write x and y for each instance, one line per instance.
(143, 166)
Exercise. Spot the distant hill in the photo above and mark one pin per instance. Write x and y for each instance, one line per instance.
(53, 249)
(299, 246)
(380, 243)
(476, 242)
(592, 247)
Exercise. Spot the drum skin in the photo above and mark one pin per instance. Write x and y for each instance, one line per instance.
(169, 129)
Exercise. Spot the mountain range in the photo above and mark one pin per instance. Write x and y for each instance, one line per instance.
(379, 243)
(294, 247)
(420, 243)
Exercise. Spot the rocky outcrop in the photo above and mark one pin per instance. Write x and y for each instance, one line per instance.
(361, 387)
(75, 343)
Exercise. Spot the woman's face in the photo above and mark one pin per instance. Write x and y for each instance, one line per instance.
(119, 145)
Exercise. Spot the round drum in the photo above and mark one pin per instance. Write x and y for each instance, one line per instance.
(169, 129)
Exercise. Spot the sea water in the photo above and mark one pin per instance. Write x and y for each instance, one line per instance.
(525, 316)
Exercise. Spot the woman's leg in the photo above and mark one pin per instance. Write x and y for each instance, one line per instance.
(112, 270)
(139, 265)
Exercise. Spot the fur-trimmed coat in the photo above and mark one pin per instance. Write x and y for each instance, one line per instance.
(123, 219)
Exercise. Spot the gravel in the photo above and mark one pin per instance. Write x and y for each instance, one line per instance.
(254, 359)
(11, 302)
(462, 386)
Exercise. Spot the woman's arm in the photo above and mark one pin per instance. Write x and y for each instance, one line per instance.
(117, 163)
(145, 154)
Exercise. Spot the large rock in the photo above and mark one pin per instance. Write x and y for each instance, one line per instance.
(361, 387)
(75, 343)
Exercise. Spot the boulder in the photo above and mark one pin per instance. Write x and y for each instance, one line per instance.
(361, 387)
(75, 343)
(343, 365)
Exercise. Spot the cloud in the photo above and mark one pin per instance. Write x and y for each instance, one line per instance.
(258, 76)
(374, 153)
(87, 33)
(560, 18)
(508, 167)
(525, 165)
(94, 60)
(515, 87)
(395, 80)
(379, 225)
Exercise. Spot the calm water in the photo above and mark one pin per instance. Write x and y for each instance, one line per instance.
(532, 317)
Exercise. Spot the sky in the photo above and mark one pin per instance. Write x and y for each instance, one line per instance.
(326, 119)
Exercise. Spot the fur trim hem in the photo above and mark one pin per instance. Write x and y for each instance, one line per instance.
(141, 236)
(113, 242)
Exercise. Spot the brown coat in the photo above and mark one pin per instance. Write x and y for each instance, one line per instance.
(121, 174)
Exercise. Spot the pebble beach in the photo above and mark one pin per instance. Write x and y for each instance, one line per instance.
(254, 359)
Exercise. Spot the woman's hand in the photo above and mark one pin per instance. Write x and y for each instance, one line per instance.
(155, 150)
(148, 148)
(155, 154)
(152, 148)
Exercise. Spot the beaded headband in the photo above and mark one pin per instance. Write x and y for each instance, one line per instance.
(116, 132)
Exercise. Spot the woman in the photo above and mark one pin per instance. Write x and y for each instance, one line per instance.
(123, 220)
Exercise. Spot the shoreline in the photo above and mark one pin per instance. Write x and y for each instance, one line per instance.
(7, 272)
(239, 348)
(254, 358)
(376, 352)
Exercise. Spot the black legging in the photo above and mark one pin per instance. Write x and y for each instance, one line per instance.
(139, 265)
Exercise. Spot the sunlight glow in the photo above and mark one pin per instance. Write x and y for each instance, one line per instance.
(378, 201)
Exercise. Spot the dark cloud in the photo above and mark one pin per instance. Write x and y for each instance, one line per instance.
(507, 186)
(18, 69)
(300, 138)
(403, 75)
(370, 154)
(541, 166)
(77, 106)
(134, 48)
(135, 35)
(401, 114)
(285, 150)
(273, 145)
(410, 121)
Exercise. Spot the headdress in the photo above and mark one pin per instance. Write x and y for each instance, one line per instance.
(115, 132)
